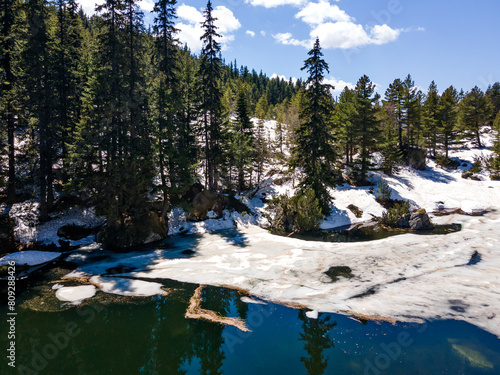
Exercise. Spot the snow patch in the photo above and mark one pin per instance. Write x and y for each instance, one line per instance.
(29, 258)
(128, 287)
(312, 314)
(75, 294)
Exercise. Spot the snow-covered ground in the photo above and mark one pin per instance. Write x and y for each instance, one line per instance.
(406, 277)
(29, 258)
(29, 230)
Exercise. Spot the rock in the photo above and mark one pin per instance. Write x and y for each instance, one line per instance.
(355, 210)
(416, 158)
(404, 222)
(210, 205)
(419, 220)
(339, 271)
(132, 233)
(75, 232)
(193, 191)
(204, 202)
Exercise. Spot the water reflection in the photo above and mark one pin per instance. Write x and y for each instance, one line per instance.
(152, 336)
(315, 335)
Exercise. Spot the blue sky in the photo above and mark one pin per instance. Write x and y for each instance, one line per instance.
(451, 42)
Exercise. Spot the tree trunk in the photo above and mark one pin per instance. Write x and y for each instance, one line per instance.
(11, 187)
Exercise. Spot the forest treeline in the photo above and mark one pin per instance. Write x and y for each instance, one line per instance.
(110, 111)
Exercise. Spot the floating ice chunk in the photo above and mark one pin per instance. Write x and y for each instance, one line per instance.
(251, 300)
(75, 294)
(29, 258)
(312, 314)
(128, 287)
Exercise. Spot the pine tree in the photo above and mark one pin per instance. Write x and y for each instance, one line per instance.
(448, 117)
(67, 56)
(10, 71)
(493, 95)
(242, 138)
(494, 162)
(210, 73)
(173, 160)
(389, 140)
(431, 118)
(123, 133)
(261, 146)
(314, 151)
(474, 112)
(395, 94)
(346, 122)
(368, 125)
(39, 103)
(412, 105)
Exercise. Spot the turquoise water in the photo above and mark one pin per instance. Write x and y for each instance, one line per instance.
(152, 336)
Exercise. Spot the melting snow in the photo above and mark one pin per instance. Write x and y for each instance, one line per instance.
(75, 294)
(29, 258)
(127, 287)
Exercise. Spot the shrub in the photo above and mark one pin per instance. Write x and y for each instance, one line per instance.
(393, 215)
(384, 191)
(301, 213)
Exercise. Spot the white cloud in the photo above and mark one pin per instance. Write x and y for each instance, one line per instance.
(334, 27)
(190, 30)
(316, 13)
(382, 34)
(286, 39)
(189, 14)
(275, 3)
(282, 77)
(343, 35)
(263, 33)
(251, 33)
(339, 84)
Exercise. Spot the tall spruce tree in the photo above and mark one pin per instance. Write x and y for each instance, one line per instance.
(431, 118)
(261, 144)
(68, 83)
(474, 112)
(412, 107)
(10, 21)
(39, 84)
(389, 138)
(314, 151)
(448, 111)
(395, 94)
(173, 161)
(493, 95)
(346, 124)
(210, 73)
(368, 125)
(242, 138)
(125, 175)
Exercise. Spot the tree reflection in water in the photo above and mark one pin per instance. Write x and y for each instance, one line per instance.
(316, 340)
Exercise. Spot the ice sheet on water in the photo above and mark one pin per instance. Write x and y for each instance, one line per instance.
(128, 287)
(75, 294)
(29, 258)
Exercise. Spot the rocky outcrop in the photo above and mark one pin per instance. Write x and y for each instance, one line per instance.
(416, 220)
(210, 205)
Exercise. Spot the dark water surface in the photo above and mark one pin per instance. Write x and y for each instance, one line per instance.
(371, 233)
(151, 336)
